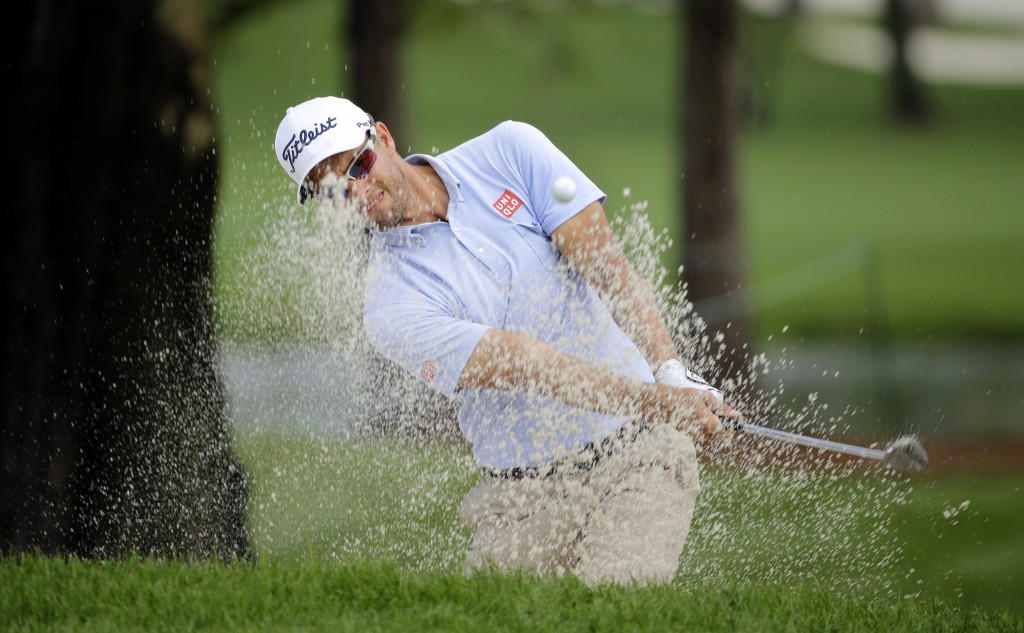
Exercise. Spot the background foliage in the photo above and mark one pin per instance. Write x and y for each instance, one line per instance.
(934, 210)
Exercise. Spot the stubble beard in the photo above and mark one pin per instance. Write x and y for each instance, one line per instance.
(400, 195)
(404, 202)
(397, 211)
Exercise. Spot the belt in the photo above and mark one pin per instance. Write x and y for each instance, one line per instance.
(584, 460)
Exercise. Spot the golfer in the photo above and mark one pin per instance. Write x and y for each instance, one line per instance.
(485, 287)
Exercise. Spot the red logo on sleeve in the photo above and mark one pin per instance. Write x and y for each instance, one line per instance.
(507, 204)
(428, 371)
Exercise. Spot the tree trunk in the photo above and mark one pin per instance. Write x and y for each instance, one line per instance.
(713, 259)
(375, 32)
(907, 101)
(115, 436)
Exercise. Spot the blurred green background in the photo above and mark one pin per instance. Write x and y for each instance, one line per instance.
(821, 165)
(884, 260)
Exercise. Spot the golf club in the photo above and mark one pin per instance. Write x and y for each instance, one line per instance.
(904, 453)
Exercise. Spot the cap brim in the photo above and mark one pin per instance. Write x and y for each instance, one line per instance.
(337, 146)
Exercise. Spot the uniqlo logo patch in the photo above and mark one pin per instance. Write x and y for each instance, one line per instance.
(428, 371)
(507, 204)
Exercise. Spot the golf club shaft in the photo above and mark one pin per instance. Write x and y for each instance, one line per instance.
(803, 440)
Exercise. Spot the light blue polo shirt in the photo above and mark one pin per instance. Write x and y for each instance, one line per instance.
(433, 290)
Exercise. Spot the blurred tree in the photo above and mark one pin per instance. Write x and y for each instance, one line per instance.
(713, 257)
(225, 13)
(375, 34)
(114, 432)
(907, 100)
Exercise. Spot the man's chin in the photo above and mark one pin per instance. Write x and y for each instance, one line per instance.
(382, 224)
(386, 218)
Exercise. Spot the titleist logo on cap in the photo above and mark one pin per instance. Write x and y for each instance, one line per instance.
(299, 141)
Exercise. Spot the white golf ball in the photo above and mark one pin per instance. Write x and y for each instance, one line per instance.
(563, 189)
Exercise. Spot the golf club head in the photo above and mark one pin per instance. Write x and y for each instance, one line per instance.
(906, 453)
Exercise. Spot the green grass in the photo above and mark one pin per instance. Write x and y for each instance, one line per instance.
(821, 169)
(857, 534)
(324, 499)
(969, 553)
(361, 536)
(44, 594)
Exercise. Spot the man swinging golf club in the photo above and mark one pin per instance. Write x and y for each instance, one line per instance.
(484, 286)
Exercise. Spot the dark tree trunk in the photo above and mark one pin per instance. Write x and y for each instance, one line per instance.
(375, 32)
(713, 257)
(907, 100)
(115, 437)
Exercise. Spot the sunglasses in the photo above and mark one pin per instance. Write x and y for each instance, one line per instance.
(360, 166)
(358, 169)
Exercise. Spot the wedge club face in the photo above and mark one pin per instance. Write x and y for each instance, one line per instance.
(906, 453)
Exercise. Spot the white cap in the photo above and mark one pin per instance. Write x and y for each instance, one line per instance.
(315, 130)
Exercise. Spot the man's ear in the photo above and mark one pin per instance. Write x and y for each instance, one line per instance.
(384, 136)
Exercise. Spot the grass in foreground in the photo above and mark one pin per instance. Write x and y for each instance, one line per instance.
(953, 538)
(363, 537)
(42, 594)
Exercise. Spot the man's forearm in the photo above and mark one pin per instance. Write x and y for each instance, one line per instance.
(591, 248)
(515, 362)
(630, 300)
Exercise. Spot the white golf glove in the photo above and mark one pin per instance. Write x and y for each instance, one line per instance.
(673, 374)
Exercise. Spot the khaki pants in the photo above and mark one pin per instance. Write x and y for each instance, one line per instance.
(625, 519)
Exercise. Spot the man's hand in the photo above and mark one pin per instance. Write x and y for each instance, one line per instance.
(698, 412)
(673, 374)
(515, 362)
